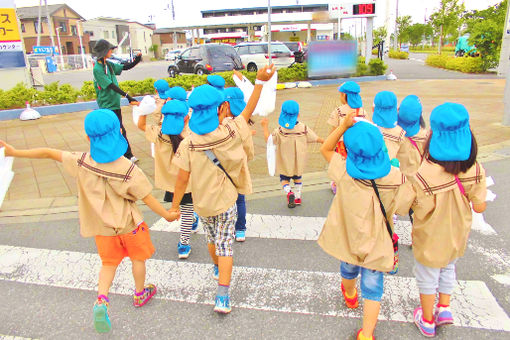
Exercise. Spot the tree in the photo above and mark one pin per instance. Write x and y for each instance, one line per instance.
(447, 19)
(485, 30)
(379, 34)
(403, 24)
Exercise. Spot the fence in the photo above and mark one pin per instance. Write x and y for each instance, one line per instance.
(62, 63)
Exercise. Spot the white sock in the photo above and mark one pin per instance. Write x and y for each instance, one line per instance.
(297, 188)
(286, 188)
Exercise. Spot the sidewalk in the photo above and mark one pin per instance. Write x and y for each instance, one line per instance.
(43, 184)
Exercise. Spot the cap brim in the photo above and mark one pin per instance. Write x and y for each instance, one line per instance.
(287, 121)
(236, 107)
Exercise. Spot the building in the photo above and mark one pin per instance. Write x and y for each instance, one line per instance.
(124, 33)
(62, 18)
(168, 39)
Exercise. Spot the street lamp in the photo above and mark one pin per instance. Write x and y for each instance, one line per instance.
(81, 43)
(60, 47)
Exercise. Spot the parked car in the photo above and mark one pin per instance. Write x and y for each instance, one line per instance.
(172, 55)
(255, 56)
(205, 59)
(298, 49)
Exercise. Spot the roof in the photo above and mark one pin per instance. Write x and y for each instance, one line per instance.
(33, 12)
(325, 6)
(167, 30)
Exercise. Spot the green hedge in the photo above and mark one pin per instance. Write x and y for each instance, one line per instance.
(398, 54)
(61, 94)
(462, 64)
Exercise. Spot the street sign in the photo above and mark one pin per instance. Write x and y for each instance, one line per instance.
(44, 50)
(11, 47)
(361, 9)
(9, 31)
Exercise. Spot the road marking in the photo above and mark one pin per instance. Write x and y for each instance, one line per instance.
(267, 289)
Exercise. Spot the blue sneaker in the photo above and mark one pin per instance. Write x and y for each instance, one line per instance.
(426, 328)
(240, 236)
(216, 273)
(222, 305)
(443, 316)
(183, 250)
(102, 322)
(194, 226)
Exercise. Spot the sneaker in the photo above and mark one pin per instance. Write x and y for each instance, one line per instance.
(216, 273)
(222, 304)
(194, 226)
(290, 200)
(297, 201)
(183, 250)
(333, 187)
(148, 293)
(350, 302)
(134, 159)
(443, 316)
(359, 336)
(102, 322)
(426, 328)
(240, 236)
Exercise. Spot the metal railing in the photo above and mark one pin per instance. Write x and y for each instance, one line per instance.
(63, 63)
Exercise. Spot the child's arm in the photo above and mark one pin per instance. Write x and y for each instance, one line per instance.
(54, 154)
(262, 75)
(320, 140)
(155, 206)
(264, 122)
(328, 147)
(180, 186)
(480, 208)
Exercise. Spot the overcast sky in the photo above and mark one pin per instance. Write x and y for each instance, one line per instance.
(158, 10)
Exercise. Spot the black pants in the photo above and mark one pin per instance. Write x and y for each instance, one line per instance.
(128, 153)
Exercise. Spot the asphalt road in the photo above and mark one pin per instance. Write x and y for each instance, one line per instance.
(284, 286)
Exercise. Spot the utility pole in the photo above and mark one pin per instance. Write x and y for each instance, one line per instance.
(39, 24)
(269, 32)
(395, 41)
(503, 63)
(387, 25)
(50, 25)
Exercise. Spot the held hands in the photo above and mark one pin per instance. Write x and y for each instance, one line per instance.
(266, 73)
(173, 214)
(264, 122)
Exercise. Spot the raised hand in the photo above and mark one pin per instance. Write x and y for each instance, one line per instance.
(266, 72)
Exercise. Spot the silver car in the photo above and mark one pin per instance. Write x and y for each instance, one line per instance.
(255, 56)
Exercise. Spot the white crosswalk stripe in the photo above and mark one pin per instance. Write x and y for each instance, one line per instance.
(268, 289)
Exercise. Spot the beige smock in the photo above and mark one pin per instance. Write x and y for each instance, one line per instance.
(410, 154)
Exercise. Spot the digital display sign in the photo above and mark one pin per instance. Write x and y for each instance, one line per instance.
(363, 9)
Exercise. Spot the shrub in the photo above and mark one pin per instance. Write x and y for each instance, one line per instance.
(376, 67)
(87, 91)
(398, 54)
(55, 94)
(437, 60)
(462, 64)
(295, 72)
(17, 96)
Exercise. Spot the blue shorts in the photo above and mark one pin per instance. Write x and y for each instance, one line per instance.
(287, 178)
(372, 281)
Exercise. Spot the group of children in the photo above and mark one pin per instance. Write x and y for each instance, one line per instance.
(390, 165)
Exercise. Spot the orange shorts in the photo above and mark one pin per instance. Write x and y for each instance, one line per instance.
(137, 245)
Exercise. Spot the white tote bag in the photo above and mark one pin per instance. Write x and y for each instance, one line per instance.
(267, 101)
(271, 156)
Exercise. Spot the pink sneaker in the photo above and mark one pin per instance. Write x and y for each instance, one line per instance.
(426, 328)
(443, 316)
(145, 296)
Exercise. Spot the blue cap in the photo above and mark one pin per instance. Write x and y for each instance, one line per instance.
(161, 86)
(235, 97)
(289, 114)
(217, 81)
(173, 112)
(178, 93)
(385, 110)
(366, 158)
(106, 142)
(352, 90)
(204, 101)
(451, 134)
(409, 115)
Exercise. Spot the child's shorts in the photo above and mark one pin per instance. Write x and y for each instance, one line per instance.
(136, 244)
(220, 230)
(287, 178)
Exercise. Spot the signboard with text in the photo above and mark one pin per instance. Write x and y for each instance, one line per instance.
(44, 50)
(362, 9)
(11, 47)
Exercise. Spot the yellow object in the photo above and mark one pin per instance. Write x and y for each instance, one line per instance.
(9, 31)
(280, 86)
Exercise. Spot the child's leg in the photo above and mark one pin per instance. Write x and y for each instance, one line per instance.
(225, 231)
(138, 268)
(285, 182)
(349, 274)
(212, 251)
(427, 279)
(447, 278)
(186, 222)
(298, 186)
(372, 288)
(106, 276)
(241, 213)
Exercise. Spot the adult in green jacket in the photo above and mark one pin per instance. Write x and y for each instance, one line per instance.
(108, 93)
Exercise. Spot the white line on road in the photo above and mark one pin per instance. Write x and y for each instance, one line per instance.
(265, 289)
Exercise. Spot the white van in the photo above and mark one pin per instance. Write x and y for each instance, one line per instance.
(255, 56)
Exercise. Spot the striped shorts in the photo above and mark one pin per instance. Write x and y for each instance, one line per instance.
(220, 230)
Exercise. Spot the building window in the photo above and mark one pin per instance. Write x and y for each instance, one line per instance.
(23, 28)
(106, 34)
(63, 26)
(35, 27)
(113, 34)
(74, 30)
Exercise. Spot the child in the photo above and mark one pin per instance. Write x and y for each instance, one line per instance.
(351, 101)
(385, 117)
(232, 107)
(291, 139)
(162, 96)
(355, 230)
(166, 139)
(410, 119)
(216, 81)
(212, 155)
(109, 186)
(447, 183)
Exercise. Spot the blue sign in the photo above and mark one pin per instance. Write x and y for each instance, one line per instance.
(44, 50)
(12, 59)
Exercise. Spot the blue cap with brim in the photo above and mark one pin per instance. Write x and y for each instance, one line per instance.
(173, 117)
(178, 93)
(289, 114)
(218, 82)
(161, 86)
(409, 115)
(106, 142)
(235, 97)
(451, 134)
(366, 158)
(204, 101)
(385, 110)
(352, 90)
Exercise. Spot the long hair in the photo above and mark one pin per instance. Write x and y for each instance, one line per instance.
(176, 141)
(454, 167)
